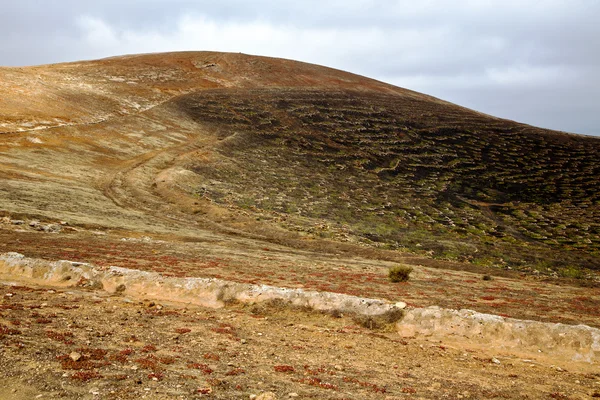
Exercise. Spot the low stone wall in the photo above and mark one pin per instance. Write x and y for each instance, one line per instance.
(566, 342)
(579, 343)
(208, 292)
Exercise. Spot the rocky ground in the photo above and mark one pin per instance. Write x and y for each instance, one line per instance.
(84, 344)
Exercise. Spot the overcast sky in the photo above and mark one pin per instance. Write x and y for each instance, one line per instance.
(536, 62)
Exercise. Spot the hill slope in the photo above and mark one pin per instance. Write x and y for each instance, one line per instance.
(272, 172)
(223, 140)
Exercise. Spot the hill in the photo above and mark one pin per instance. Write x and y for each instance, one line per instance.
(220, 167)
(307, 149)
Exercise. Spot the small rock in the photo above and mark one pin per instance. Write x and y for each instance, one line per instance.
(33, 224)
(495, 361)
(17, 222)
(252, 397)
(292, 395)
(400, 305)
(339, 367)
(243, 341)
(52, 228)
(9, 295)
(267, 396)
(75, 356)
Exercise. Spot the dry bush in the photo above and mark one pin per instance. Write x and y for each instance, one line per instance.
(399, 273)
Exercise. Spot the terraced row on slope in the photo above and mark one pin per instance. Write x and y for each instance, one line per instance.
(405, 172)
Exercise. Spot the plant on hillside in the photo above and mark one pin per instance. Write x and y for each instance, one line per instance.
(399, 273)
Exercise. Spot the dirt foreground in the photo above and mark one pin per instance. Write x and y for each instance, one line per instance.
(78, 343)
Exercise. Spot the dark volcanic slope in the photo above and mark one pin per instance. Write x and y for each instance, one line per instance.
(405, 172)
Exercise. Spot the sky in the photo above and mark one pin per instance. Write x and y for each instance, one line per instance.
(536, 62)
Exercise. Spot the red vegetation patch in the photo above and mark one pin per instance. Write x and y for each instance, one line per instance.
(149, 348)
(206, 370)
(5, 330)
(283, 368)
(85, 365)
(122, 355)
(225, 329)
(127, 352)
(16, 306)
(156, 376)
(85, 376)
(150, 362)
(60, 336)
(211, 356)
(92, 354)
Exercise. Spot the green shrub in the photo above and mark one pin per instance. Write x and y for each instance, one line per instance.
(571, 272)
(399, 273)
